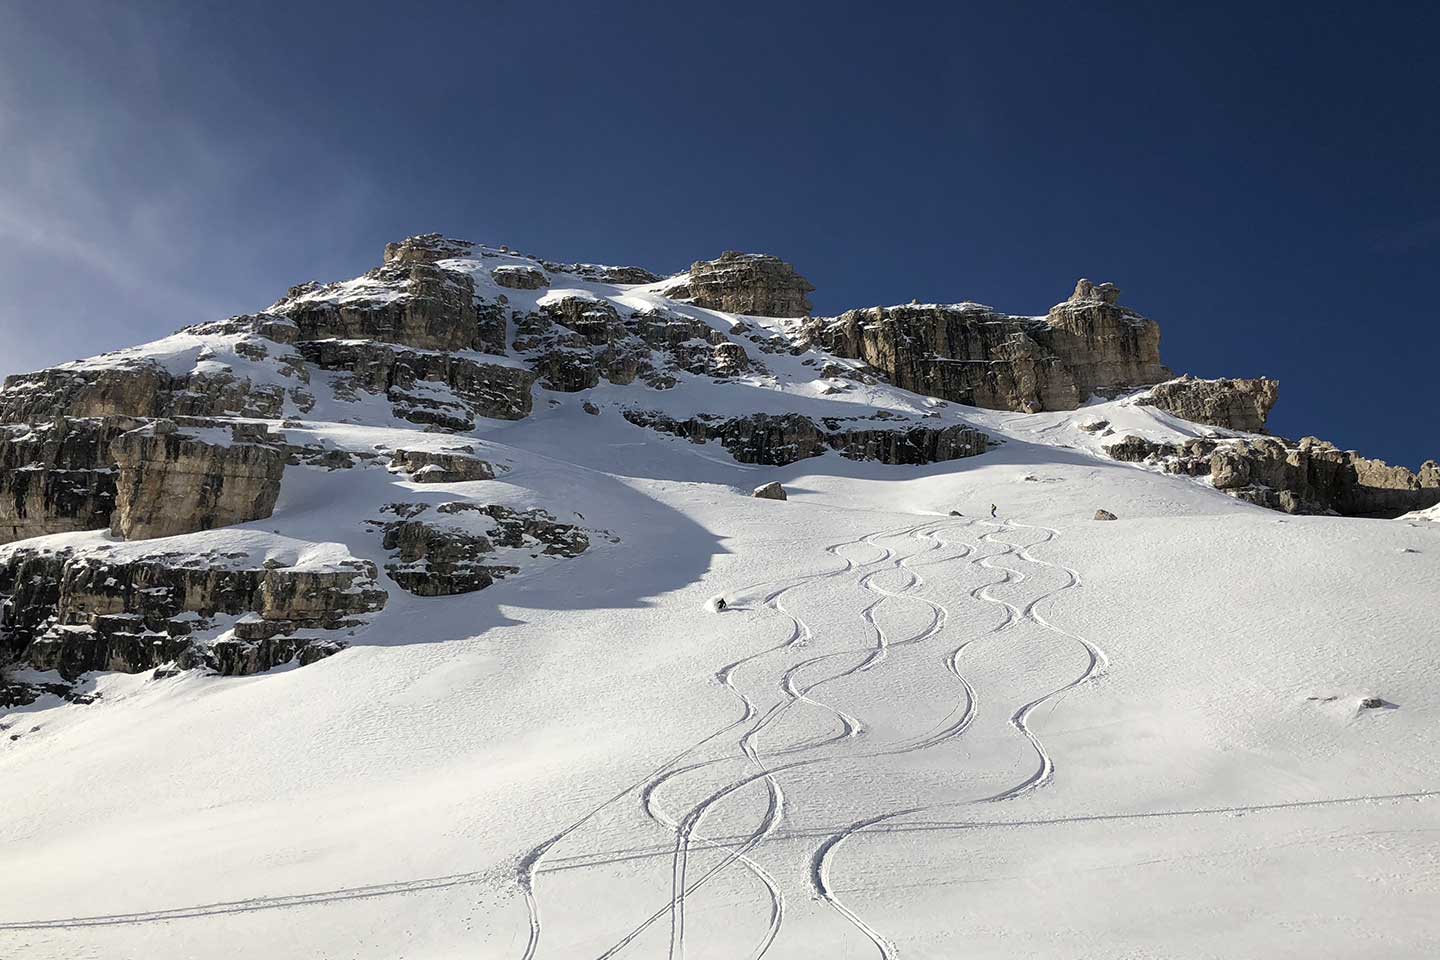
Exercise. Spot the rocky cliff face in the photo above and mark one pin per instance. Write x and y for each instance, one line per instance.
(56, 477)
(1234, 404)
(971, 354)
(172, 483)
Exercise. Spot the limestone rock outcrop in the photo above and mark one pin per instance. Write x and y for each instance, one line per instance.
(574, 341)
(1307, 477)
(778, 440)
(518, 277)
(72, 613)
(425, 466)
(1087, 345)
(602, 272)
(415, 305)
(755, 284)
(1234, 404)
(426, 248)
(57, 477)
(1133, 449)
(425, 387)
(143, 388)
(468, 546)
(171, 482)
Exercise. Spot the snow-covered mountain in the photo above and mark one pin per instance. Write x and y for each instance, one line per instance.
(384, 622)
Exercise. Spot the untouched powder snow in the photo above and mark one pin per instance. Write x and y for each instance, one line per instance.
(908, 734)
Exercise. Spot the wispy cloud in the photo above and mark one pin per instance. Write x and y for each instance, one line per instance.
(162, 215)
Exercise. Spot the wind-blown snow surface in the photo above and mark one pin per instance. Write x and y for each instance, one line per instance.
(910, 734)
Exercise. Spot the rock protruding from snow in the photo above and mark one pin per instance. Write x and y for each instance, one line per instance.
(520, 277)
(141, 387)
(426, 248)
(1105, 515)
(172, 483)
(602, 272)
(971, 354)
(1133, 449)
(425, 466)
(754, 284)
(1308, 477)
(574, 340)
(778, 440)
(770, 491)
(78, 611)
(415, 304)
(468, 546)
(425, 387)
(1233, 404)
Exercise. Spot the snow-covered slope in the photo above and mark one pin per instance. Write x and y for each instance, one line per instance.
(916, 730)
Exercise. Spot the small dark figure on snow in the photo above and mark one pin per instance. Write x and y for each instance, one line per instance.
(719, 604)
(992, 511)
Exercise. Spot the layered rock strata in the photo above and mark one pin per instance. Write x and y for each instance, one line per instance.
(171, 483)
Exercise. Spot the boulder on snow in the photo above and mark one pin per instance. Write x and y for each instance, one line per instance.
(770, 491)
(1105, 515)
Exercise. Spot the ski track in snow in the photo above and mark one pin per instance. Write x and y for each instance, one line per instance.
(779, 672)
(751, 724)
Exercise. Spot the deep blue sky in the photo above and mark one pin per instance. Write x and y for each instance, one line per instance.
(1263, 179)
